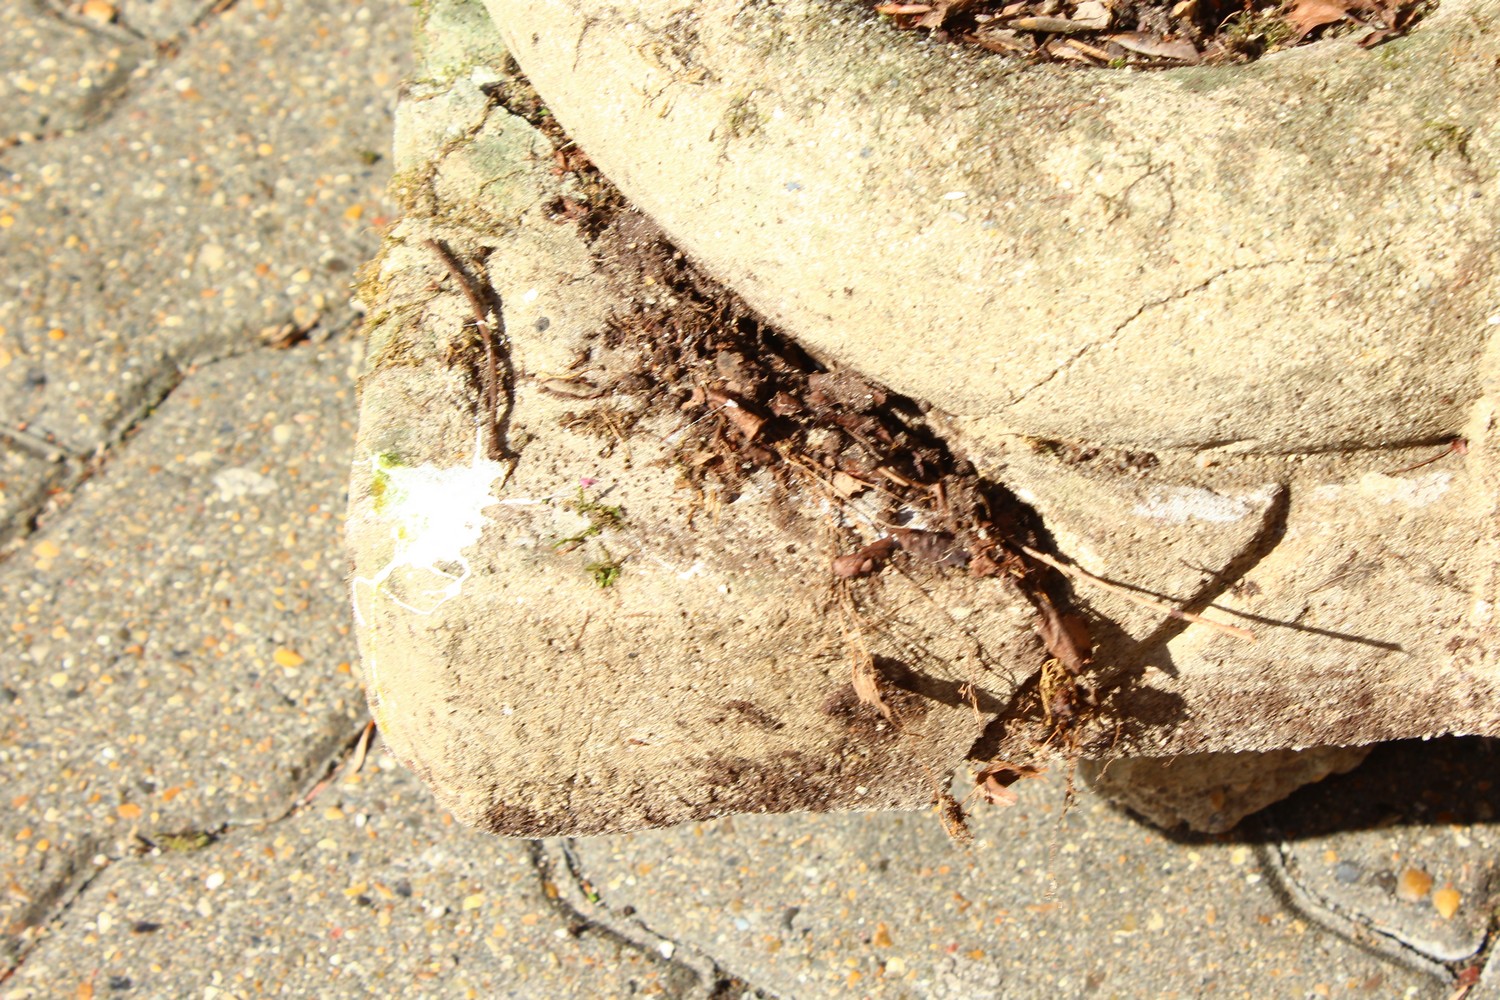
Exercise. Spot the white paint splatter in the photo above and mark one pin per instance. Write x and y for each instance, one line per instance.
(1181, 504)
(434, 515)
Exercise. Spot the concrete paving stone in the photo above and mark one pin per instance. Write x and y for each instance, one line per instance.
(369, 891)
(1406, 848)
(235, 190)
(176, 646)
(25, 477)
(56, 76)
(1045, 905)
(158, 19)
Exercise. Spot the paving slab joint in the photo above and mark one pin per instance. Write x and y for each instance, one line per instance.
(150, 55)
(581, 904)
(78, 466)
(30, 927)
(115, 30)
(331, 758)
(1276, 859)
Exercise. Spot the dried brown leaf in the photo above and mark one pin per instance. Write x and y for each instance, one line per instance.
(1091, 14)
(994, 781)
(955, 823)
(744, 421)
(847, 486)
(1049, 25)
(1156, 47)
(1309, 15)
(865, 678)
(1065, 634)
(866, 562)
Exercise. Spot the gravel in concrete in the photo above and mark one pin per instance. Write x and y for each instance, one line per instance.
(1046, 904)
(365, 891)
(59, 73)
(231, 190)
(1402, 853)
(163, 668)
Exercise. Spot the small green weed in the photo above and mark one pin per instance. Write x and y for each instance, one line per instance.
(1447, 137)
(604, 572)
(380, 483)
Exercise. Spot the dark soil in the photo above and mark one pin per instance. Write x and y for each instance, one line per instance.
(1150, 34)
(747, 399)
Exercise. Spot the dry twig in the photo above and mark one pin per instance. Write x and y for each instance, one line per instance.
(490, 377)
(1074, 572)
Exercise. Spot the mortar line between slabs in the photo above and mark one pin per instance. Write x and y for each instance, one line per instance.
(558, 863)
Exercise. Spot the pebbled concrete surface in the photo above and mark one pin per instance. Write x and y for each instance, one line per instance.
(1083, 903)
(191, 807)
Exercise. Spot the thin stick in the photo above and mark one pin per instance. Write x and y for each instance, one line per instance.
(357, 762)
(491, 377)
(1458, 446)
(1078, 573)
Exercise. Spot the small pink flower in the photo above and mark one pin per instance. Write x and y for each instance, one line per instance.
(586, 481)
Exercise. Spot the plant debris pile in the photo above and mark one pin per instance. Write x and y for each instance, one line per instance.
(1147, 34)
(745, 399)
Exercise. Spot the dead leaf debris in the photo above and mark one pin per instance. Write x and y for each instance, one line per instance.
(1150, 34)
(745, 400)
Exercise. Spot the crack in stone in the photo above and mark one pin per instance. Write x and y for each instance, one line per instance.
(80, 466)
(55, 901)
(703, 976)
(1119, 330)
(60, 896)
(104, 100)
(115, 31)
(1353, 928)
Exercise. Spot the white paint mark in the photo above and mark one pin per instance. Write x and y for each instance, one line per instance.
(434, 515)
(1181, 504)
(236, 482)
(1418, 491)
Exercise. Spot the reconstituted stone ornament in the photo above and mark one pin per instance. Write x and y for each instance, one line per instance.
(1227, 335)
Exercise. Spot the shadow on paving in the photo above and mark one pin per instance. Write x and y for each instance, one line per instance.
(1405, 783)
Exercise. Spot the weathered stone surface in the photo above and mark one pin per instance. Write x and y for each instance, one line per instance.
(1212, 792)
(1351, 599)
(706, 673)
(1285, 256)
